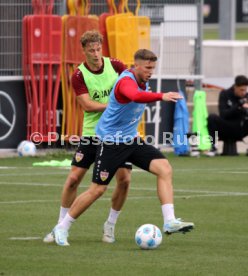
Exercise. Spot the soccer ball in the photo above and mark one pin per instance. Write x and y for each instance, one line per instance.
(148, 236)
(26, 148)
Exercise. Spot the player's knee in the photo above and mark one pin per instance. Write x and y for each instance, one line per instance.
(161, 167)
(98, 190)
(123, 178)
(124, 181)
(72, 181)
(167, 169)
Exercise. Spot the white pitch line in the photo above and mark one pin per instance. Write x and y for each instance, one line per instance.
(134, 169)
(30, 184)
(199, 170)
(209, 169)
(7, 168)
(27, 201)
(29, 174)
(24, 238)
(133, 198)
(232, 172)
(227, 170)
(212, 195)
(210, 192)
(131, 188)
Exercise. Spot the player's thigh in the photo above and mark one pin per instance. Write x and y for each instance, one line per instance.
(144, 154)
(160, 167)
(109, 158)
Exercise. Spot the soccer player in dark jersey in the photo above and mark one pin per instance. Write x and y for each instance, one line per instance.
(92, 82)
(117, 130)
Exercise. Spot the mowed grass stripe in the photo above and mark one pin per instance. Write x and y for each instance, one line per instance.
(134, 198)
(131, 188)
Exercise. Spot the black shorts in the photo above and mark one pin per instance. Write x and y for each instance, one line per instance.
(85, 154)
(110, 156)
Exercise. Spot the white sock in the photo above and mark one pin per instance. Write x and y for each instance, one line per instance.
(168, 212)
(62, 213)
(66, 222)
(113, 216)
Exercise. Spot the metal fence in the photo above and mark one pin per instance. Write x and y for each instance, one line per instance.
(11, 14)
(180, 36)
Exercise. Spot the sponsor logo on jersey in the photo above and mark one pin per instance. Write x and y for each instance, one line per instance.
(104, 175)
(96, 96)
(79, 156)
(100, 94)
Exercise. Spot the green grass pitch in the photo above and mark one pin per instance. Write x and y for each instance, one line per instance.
(211, 192)
(241, 33)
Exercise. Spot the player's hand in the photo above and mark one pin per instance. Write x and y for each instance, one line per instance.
(245, 105)
(172, 97)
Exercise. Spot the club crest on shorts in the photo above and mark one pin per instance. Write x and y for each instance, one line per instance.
(104, 175)
(79, 156)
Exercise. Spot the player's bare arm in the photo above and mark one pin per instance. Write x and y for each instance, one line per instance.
(90, 105)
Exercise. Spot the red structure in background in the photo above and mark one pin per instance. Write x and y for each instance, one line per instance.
(42, 34)
(103, 28)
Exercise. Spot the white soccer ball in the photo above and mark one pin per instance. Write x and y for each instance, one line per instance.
(148, 236)
(26, 148)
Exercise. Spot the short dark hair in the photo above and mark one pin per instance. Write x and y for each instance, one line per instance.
(91, 36)
(241, 80)
(145, 54)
